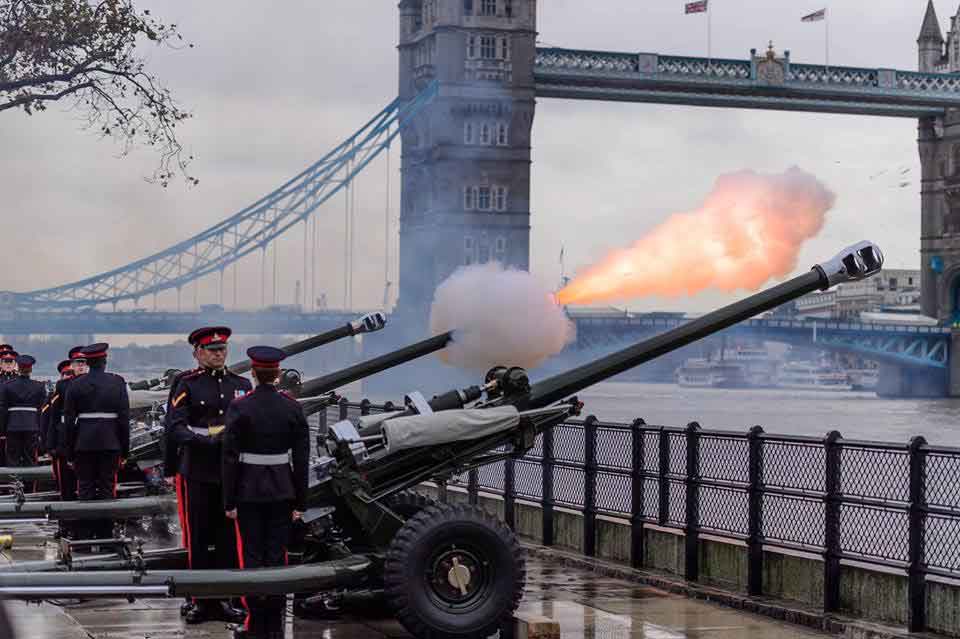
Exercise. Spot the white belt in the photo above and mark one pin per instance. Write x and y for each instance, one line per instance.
(205, 430)
(97, 416)
(257, 459)
(22, 409)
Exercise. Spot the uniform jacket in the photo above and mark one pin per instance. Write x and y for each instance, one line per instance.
(25, 393)
(51, 419)
(97, 392)
(268, 422)
(200, 403)
(171, 452)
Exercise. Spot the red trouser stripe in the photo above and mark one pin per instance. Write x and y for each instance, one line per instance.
(236, 523)
(181, 514)
(186, 520)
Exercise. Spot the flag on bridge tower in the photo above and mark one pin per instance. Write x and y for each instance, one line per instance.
(816, 16)
(696, 7)
(821, 16)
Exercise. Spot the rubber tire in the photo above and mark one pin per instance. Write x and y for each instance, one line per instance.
(405, 569)
(408, 503)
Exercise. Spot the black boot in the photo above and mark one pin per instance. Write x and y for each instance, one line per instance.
(200, 613)
(186, 607)
(230, 614)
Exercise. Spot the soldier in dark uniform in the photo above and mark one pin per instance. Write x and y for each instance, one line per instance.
(97, 428)
(8, 363)
(197, 417)
(48, 438)
(56, 438)
(20, 403)
(266, 448)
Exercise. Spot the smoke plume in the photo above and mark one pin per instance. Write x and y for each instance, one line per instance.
(750, 229)
(499, 317)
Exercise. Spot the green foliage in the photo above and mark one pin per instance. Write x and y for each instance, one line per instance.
(89, 55)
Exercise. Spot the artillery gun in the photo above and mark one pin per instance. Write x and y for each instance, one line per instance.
(443, 570)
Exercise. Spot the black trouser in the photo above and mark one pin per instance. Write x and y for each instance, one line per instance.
(22, 448)
(67, 486)
(263, 532)
(207, 526)
(97, 480)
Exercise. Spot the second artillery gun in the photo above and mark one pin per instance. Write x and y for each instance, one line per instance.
(444, 570)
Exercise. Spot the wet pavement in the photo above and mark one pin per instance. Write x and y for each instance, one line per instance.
(584, 604)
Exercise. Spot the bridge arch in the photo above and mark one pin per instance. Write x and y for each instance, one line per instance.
(949, 296)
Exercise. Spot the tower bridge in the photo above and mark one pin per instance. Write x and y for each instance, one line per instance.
(470, 76)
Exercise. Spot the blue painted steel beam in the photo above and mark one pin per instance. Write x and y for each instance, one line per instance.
(650, 77)
(250, 229)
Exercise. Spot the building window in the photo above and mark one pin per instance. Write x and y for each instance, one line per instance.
(483, 253)
(893, 283)
(500, 198)
(468, 7)
(503, 138)
(488, 7)
(508, 8)
(468, 133)
(485, 134)
(468, 251)
(488, 47)
(501, 248)
(470, 198)
(504, 48)
(909, 281)
(471, 47)
(483, 198)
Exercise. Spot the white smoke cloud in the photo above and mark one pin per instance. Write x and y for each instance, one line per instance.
(499, 317)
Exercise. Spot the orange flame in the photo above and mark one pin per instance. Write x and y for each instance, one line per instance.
(750, 229)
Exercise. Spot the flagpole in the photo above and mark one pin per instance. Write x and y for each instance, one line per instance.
(709, 36)
(826, 43)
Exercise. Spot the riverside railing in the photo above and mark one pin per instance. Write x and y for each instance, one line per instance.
(881, 504)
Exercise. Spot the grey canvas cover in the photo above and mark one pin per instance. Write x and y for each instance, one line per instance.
(447, 426)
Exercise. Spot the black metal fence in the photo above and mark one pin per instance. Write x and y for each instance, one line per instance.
(890, 505)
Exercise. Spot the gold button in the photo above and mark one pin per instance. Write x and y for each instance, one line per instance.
(221, 411)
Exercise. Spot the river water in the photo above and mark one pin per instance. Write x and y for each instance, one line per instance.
(788, 412)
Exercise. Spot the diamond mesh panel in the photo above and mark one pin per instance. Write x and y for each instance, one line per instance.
(791, 465)
(651, 499)
(943, 480)
(651, 452)
(614, 493)
(568, 443)
(882, 474)
(614, 448)
(490, 477)
(724, 509)
(943, 542)
(874, 532)
(794, 520)
(725, 458)
(528, 479)
(677, 515)
(568, 486)
(678, 454)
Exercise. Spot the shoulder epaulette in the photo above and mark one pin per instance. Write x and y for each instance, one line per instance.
(191, 374)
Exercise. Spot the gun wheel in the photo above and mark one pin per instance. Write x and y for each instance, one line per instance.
(408, 503)
(453, 571)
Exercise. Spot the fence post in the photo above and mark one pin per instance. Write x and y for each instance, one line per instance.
(473, 487)
(663, 470)
(344, 406)
(831, 531)
(692, 480)
(365, 407)
(755, 513)
(590, 486)
(509, 493)
(637, 491)
(917, 584)
(547, 501)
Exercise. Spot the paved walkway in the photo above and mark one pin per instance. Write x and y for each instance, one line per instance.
(585, 605)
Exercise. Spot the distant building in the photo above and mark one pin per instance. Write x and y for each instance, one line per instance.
(888, 291)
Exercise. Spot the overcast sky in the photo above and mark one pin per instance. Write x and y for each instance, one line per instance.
(275, 85)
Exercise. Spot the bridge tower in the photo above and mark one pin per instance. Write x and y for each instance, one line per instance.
(466, 158)
(939, 144)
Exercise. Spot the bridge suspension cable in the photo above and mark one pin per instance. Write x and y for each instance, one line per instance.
(252, 228)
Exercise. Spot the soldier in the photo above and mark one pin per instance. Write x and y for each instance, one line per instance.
(197, 417)
(8, 363)
(56, 439)
(266, 448)
(48, 443)
(97, 428)
(20, 403)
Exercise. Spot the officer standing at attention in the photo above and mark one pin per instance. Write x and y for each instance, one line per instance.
(56, 436)
(197, 418)
(8, 363)
(266, 449)
(49, 441)
(20, 403)
(97, 428)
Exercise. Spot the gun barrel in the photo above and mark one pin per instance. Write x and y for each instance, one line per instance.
(340, 378)
(347, 330)
(854, 263)
(83, 510)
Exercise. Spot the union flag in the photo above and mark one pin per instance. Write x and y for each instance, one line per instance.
(696, 7)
